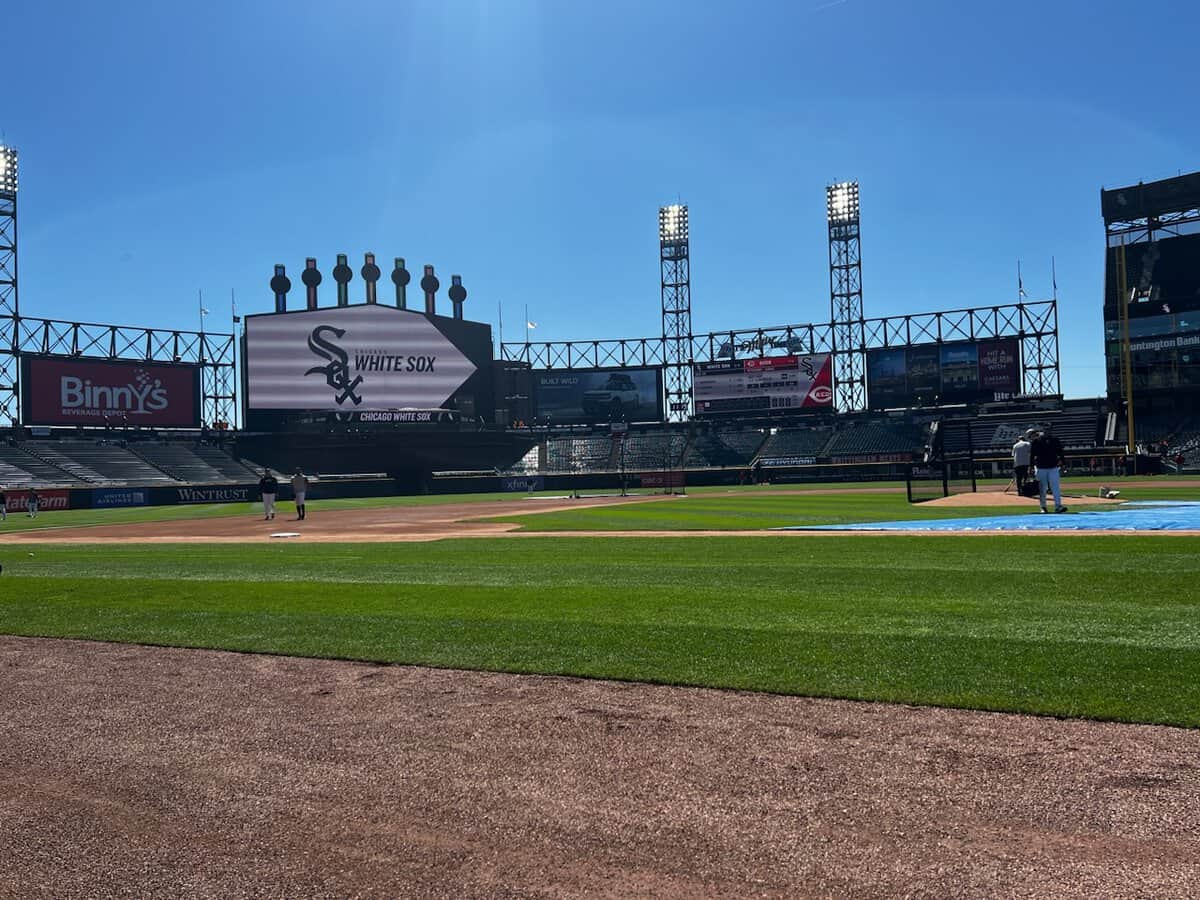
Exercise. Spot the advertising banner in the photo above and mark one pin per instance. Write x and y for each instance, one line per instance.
(1000, 367)
(580, 396)
(771, 384)
(367, 357)
(523, 483)
(931, 374)
(17, 501)
(83, 391)
(960, 373)
(111, 498)
(887, 378)
(227, 494)
(1164, 352)
(924, 375)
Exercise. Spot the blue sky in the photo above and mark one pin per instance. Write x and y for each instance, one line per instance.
(527, 145)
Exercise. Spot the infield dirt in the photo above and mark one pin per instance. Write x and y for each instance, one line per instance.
(138, 771)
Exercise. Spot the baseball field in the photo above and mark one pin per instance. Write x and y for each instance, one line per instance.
(649, 695)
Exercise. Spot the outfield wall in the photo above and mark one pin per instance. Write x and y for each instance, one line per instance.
(185, 495)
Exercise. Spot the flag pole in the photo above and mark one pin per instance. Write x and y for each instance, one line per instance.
(1054, 279)
(527, 324)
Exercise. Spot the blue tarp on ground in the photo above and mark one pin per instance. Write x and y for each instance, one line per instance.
(1141, 515)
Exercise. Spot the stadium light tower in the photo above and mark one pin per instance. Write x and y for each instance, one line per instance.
(9, 307)
(845, 296)
(676, 284)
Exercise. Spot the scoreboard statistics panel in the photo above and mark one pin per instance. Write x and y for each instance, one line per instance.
(770, 385)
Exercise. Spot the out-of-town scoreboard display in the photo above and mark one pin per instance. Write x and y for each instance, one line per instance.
(770, 385)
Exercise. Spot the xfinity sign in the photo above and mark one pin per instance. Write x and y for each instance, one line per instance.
(351, 359)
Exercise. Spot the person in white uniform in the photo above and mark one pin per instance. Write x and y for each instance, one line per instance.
(299, 492)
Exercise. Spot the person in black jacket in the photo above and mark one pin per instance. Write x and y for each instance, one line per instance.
(268, 487)
(1048, 457)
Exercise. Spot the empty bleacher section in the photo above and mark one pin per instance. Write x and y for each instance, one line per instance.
(654, 450)
(1076, 429)
(721, 449)
(79, 463)
(578, 454)
(229, 467)
(101, 463)
(863, 438)
(21, 469)
(187, 464)
(795, 444)
(526, 465)
(63, 463)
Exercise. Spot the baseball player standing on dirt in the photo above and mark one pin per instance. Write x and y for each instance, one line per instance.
(268, 487)
(299, 491)
(1022, 452)
(1048, 457)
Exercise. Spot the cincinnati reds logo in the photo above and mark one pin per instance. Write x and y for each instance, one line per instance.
(337, 372)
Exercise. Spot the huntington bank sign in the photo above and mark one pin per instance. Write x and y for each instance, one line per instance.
(119, 393)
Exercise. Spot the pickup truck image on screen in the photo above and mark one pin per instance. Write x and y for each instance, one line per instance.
(598, 396)
(617, 398)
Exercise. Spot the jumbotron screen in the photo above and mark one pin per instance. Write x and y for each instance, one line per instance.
(937, 374)
(365, 358)
(767, 385)
(584, 396)
(1162, 295)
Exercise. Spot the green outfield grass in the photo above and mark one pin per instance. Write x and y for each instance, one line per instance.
(749, 510)
(1105, 627)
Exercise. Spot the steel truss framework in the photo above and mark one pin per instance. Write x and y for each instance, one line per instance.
(1035, 324)
(846, 306)
(214, 353)
(1152, 228)
(9, 307)
(676, 288)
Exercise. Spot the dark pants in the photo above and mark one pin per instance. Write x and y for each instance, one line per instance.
(1021, 473)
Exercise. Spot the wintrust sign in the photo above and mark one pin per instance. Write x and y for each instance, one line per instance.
(109, 392)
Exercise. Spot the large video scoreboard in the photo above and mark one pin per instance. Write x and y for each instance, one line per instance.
(938, 374)
(767, 385)
(357, 363)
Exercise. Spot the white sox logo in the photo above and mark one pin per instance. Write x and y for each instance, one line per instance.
(337, 372)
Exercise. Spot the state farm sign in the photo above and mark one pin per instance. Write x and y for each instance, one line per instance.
(57, 391)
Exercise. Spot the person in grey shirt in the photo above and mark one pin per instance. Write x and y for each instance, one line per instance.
(299, 492)
(1021, 452)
